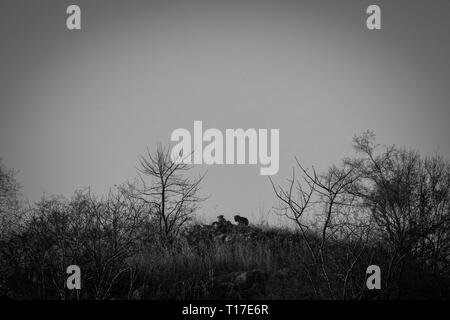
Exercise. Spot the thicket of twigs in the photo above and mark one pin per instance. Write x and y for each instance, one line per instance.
(385, 206)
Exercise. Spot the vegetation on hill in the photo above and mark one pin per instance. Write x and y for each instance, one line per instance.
(385, 206)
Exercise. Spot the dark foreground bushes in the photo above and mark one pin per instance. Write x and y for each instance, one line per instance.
(120, 258)
(387, 206)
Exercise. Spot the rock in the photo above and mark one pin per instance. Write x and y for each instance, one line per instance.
(137, 294)
(220, 237)
(248, 279)
(282, 273)
(240, 285)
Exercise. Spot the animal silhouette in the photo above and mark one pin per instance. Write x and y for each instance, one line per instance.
(222, 224)
(241, 221)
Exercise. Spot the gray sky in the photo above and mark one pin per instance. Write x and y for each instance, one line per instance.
(77, 108)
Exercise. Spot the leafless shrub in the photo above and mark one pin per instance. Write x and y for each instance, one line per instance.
(409, 200)
(321, 207)
(171, 195)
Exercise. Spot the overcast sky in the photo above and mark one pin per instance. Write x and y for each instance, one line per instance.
(79, 107)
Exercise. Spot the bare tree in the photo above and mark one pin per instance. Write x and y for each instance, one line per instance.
(321, 207)
(107, 232)
(172, 196)
(10, 215)
(409, 201)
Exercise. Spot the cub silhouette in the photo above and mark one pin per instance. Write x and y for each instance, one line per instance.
(222, 224)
